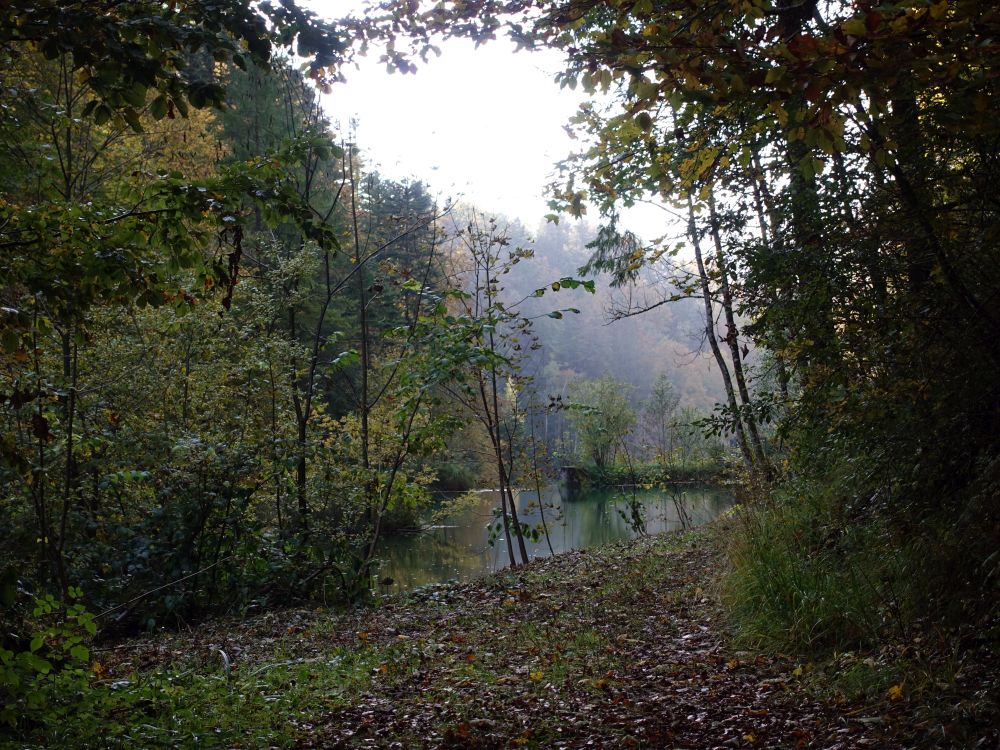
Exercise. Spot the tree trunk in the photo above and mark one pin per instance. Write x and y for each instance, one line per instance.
(713, 342)
(732, 339)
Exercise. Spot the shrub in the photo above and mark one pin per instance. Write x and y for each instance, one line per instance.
(46, 677)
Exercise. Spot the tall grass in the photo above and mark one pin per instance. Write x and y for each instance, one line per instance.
(801, 577)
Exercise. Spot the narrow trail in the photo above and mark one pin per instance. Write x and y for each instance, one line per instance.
(617, 647)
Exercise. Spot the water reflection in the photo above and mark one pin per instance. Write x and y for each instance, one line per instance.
(459, 549)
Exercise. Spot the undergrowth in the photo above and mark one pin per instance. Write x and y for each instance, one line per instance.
(820, 566)
(653, 473)
(879, 604)
(799, 580)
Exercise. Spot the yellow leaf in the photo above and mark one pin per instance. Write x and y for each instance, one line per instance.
(780, 113)
(797, 672)
(899, 25)
(854, 27)
(536, 676)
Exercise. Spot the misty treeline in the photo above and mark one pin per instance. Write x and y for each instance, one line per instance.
(651, 372)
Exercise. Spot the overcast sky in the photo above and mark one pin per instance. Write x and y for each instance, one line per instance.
(484, 125)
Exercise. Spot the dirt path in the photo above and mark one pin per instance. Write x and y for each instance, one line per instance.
(618, 647)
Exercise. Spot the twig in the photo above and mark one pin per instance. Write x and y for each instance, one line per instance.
(164, 586)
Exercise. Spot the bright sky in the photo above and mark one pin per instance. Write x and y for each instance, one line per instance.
(482, 125)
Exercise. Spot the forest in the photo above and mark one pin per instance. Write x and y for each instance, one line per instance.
(239, 366)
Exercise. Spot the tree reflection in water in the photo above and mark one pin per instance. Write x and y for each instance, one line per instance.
(457, 547)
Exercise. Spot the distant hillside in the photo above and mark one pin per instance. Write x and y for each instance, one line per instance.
(668, 339)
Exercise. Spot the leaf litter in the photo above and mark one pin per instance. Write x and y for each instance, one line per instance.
(615, 647)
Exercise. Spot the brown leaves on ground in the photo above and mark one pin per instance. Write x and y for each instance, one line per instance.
(617, 647)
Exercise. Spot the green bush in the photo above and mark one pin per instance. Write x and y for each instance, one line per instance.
(46, 677)
(455, 477)
(652, 474)
(809, 571)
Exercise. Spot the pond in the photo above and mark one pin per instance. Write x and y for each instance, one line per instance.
(456, 546)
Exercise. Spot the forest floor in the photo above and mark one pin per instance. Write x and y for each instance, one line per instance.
(617, 647)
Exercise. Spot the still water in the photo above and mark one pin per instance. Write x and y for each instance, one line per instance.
(457, 546)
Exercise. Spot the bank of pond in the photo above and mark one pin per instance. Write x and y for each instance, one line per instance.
(464, 538)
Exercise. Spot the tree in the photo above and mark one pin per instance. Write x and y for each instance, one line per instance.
(657, 412)
(498, 332)
(489, 337)
(131, 52)
(117, 229)
(601, 413)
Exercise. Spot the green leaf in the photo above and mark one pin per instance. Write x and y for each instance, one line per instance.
(37, 663)
(11, 341)
(774, 74)
(135, 95)
(855, 27)
(102, 114)
(158, 107)
(132, 118)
